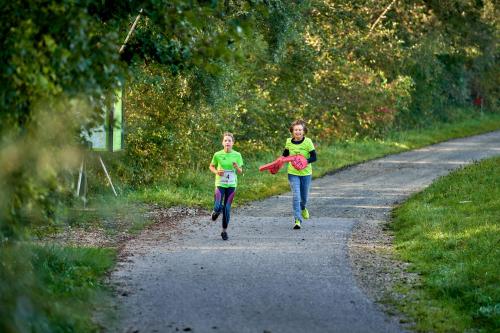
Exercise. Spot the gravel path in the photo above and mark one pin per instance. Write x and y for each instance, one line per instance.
(270, 278)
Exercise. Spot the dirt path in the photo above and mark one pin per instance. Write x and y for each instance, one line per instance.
(270, 278)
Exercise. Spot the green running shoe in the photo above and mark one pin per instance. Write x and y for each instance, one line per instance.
(297, 224)
(305, 213)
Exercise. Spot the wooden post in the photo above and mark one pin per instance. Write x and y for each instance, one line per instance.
(107, 175)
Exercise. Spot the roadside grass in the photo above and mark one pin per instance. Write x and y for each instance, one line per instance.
(57, 291)
(66, 280)
(196, 187)
(450, 233)
(112, 214)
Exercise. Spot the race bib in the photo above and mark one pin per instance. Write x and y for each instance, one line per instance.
(228, 178)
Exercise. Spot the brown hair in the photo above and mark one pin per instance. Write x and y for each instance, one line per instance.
(298, 122)
(228, 134)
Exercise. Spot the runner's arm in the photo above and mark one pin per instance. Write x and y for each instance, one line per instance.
(214, 170)
(237, 167)
(312, 156)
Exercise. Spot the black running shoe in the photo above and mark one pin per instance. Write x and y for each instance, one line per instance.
(224, 235)
(215, 215)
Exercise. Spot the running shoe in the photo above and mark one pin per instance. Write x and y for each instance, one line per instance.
(297, 224)
(224, 235)
(215, 215)
(305, 213)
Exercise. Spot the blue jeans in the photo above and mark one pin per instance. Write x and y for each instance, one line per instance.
(300, 189)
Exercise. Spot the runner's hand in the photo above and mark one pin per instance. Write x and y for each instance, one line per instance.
(220, 172)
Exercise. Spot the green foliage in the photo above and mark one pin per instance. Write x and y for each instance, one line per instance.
(450, 233)
(59, 63)
(36, 170)
(194, 69)
(194, 187)
(49, 50)
(323, 61)
(50, 288)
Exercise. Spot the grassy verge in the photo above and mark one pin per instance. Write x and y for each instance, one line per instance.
(56, 291)
(195, 189)
(65, 280)
(450, 233)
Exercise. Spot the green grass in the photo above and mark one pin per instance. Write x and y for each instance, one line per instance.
(113, 214)
(61, 284)
(450, 233)
(196, 187)
(55, 289)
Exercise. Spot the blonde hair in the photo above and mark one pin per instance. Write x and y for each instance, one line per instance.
(298, 122)
(228, 134)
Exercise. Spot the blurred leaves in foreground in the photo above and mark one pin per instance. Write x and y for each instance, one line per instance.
(194, 69)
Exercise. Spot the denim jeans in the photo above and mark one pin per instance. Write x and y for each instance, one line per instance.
(300, 190)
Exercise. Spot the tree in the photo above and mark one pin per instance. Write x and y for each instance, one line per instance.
(60, 60)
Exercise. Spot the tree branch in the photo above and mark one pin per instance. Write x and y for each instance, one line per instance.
(380, 17)
(130, 31)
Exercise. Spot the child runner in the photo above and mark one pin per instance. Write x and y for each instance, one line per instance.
(300, 180)
(225, 164)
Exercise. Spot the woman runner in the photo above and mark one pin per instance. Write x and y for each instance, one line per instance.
(300, 180)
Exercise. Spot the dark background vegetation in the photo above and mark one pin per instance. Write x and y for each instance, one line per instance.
(194, 69)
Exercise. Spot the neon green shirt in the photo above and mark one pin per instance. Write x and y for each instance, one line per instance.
(304, 148)
(224, 161)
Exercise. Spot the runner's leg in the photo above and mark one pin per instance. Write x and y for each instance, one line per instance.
(217, 202)
(295, 187)
(305, 185)
(228, 200)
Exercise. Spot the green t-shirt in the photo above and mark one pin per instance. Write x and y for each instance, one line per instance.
(304, 148)
(224, 161)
